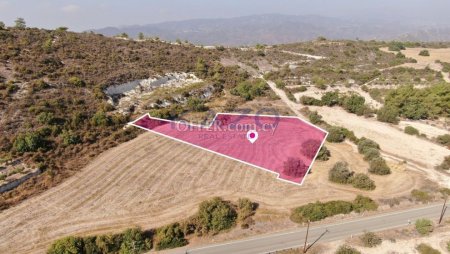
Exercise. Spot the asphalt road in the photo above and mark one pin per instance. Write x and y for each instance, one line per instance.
(347, 228)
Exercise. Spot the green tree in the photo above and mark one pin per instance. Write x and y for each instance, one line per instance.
(363, 182)
(330, 99)
(109, 243)
(133, 241)
(100, 119)
(424, 226)
(169, 237)
(196, 104)
(68, 245)
(335, 134)
(216, 215)
(388, 114)
(20, 23)
(201, 68)
(324, 154)
(70, 138)
(340, 173)
(361, 204)
(355, 104)
(28, 142)
(141, 36)
(378, 166)
(2, 25)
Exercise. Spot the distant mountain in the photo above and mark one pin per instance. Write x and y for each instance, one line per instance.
(276, 29)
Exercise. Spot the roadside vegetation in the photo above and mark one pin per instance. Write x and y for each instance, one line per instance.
(424, 226)
(345, 249)
(426, 249)
(370, 240)
(319, 211)
(213, 217)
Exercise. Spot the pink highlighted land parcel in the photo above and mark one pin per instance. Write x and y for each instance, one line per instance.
(286, 146)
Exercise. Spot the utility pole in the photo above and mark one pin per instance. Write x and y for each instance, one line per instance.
(326, 231)
(444, 209)
(306, 239)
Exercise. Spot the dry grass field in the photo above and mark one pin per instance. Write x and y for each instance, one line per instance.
(151, 181)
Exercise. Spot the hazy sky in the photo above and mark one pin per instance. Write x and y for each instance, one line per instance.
(85, 14)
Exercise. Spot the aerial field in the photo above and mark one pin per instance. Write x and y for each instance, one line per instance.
(152, 181)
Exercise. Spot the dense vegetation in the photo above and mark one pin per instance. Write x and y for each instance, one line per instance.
(340, 173)
(424, 226)
(319, 211)
(426, 249)
(213, 216)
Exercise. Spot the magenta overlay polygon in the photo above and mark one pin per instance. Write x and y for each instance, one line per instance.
(286, 146)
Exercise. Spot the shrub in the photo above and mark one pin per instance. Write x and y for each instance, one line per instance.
(354, 104)
(67, 245)
(396, 46)
(345, 249)
(216, 215)
(335, 134)
(361, 204)
(29, 142)
(444, 139)
(315, 118)
(294, 167)
(310, 101)
(330, 99)
(133, 242)
(411, 130)
(421, 196)
(196, 104)
(364, 144)
(426, 249)
(424, 226)
(109, 243)
(324, 154)
(448, 245)
(310, 147)
(250, 89)
(371, 153)
(76, 81)
(246, 210)
(424, 53)
(445, 165)
(46, 118)
(370, 239)
(378, 166)
(169, 237)
(388, 114)
(100, 119)
(340, 173)
(362, 181)
(70, 138)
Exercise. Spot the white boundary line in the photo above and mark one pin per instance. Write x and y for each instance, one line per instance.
(229, 157)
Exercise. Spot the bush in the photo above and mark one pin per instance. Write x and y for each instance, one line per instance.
(109, 243)
(424, 53)
(335, 134)
(46, 118)
(216, 215)
(310, 101)
(324, 154)
(426, 249)
(169, 237)
(330, 99)
(345, 249)
(354, 104)
(388, 114)
(396, 46)
(76, 81)
(319, 211)
(365, 144)
(133, 242)
(196, 104)
(250, 89)
(67, 245)
(310, 148)
(421, 196)
(70, 138)
(362, 181)
(411, 130)
(448, 245)
(378, 166)
(29, 142)
(371, 153)
(315, 118)
(361, 204)
(100, 119)
(444, 139)
(340, 173)
(370, 239)
(424, 226)
(445, 165)
(294, 167)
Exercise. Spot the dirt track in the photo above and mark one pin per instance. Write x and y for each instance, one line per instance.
(151, 181)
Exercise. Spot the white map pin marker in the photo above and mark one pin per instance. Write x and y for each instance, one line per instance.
(252, 136)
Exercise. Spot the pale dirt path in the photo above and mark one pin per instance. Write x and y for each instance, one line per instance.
(305, 55)
(420, 154)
